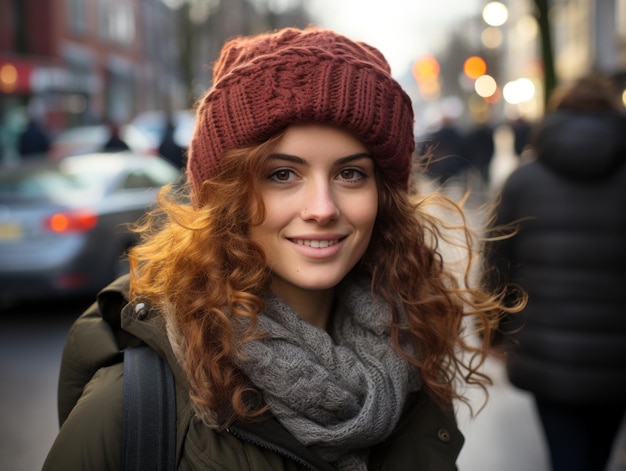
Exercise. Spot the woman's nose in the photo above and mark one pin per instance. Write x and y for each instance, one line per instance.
(319, 203)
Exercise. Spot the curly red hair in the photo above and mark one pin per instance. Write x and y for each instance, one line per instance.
(198, 263)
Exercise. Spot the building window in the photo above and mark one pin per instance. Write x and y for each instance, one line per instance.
(116, 21)
(620, 19)
(76, 11)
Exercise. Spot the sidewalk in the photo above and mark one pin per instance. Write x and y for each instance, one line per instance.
(506, 434)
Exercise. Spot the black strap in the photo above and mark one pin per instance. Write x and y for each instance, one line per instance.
(149, 432)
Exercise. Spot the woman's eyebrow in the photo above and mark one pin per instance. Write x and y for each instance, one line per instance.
(350, 158)
(289, 158)
(299, 160)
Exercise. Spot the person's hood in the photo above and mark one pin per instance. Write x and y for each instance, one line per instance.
(584, 146)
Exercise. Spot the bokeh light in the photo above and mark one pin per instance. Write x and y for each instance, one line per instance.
(527, 27)
(491, 37)
(474, 67)
(519, 91)
(477, 105)
(426, 73)
(495, 14)
(426, 67)
(485, 86)
(8, 78)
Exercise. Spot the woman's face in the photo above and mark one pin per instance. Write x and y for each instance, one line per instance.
(320, 196)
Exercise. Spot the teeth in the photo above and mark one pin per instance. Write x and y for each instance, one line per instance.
(317, 244)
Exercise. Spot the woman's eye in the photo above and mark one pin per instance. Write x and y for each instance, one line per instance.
(282, 175)
(352, 175)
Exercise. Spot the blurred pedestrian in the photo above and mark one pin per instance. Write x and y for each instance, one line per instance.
(297, 290)
(522, 131)
(168, 147)
(33, 140)
(568, 347)
(443, 149)
(114, 143)
(479, 147)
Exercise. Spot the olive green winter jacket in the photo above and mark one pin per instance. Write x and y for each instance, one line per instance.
(90, 409)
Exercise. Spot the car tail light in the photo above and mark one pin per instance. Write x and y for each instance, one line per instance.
(71, 221)
(71, 280)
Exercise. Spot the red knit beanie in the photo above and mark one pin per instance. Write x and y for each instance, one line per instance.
(264, 83)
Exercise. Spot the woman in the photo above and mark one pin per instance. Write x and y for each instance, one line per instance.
(296, 289)
(569, 348)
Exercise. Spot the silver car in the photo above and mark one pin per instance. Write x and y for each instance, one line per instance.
(63, 223)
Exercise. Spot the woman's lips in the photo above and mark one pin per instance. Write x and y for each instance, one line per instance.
(318, 247)
(317, 244)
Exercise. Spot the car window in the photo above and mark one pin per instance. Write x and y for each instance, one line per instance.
(138, 179)
(154, 174)
(39, 184)
(162, 172)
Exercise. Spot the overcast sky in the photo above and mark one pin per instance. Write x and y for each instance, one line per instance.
(402, 29)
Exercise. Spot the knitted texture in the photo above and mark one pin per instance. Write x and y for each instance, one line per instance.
(264, 83)
(338, 394)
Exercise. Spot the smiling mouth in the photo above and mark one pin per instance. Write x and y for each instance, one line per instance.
(316, 244)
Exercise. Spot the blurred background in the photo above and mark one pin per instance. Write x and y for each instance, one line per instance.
(78, 76)
(81, 62)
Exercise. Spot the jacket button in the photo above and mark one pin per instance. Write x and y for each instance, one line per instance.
(140, 310)
(443, 435)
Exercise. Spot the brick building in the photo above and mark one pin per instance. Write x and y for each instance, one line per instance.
(79, 61)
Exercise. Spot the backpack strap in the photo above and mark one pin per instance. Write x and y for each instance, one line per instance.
(149, 411)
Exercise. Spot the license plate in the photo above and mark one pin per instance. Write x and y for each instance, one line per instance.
(10, 231)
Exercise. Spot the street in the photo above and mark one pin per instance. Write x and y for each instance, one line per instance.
(31, 343)
(506, 434)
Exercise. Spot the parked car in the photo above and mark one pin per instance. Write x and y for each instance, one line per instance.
(63, 223)
(91, 138)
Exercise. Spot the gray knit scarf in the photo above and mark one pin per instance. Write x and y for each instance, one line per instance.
(339, 393)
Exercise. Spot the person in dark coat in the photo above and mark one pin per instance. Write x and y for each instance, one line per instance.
(444, 150)
(522, 131)
(479, 148)
(168, 147)
(33, 140)
(568, 348)
(115, 143)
